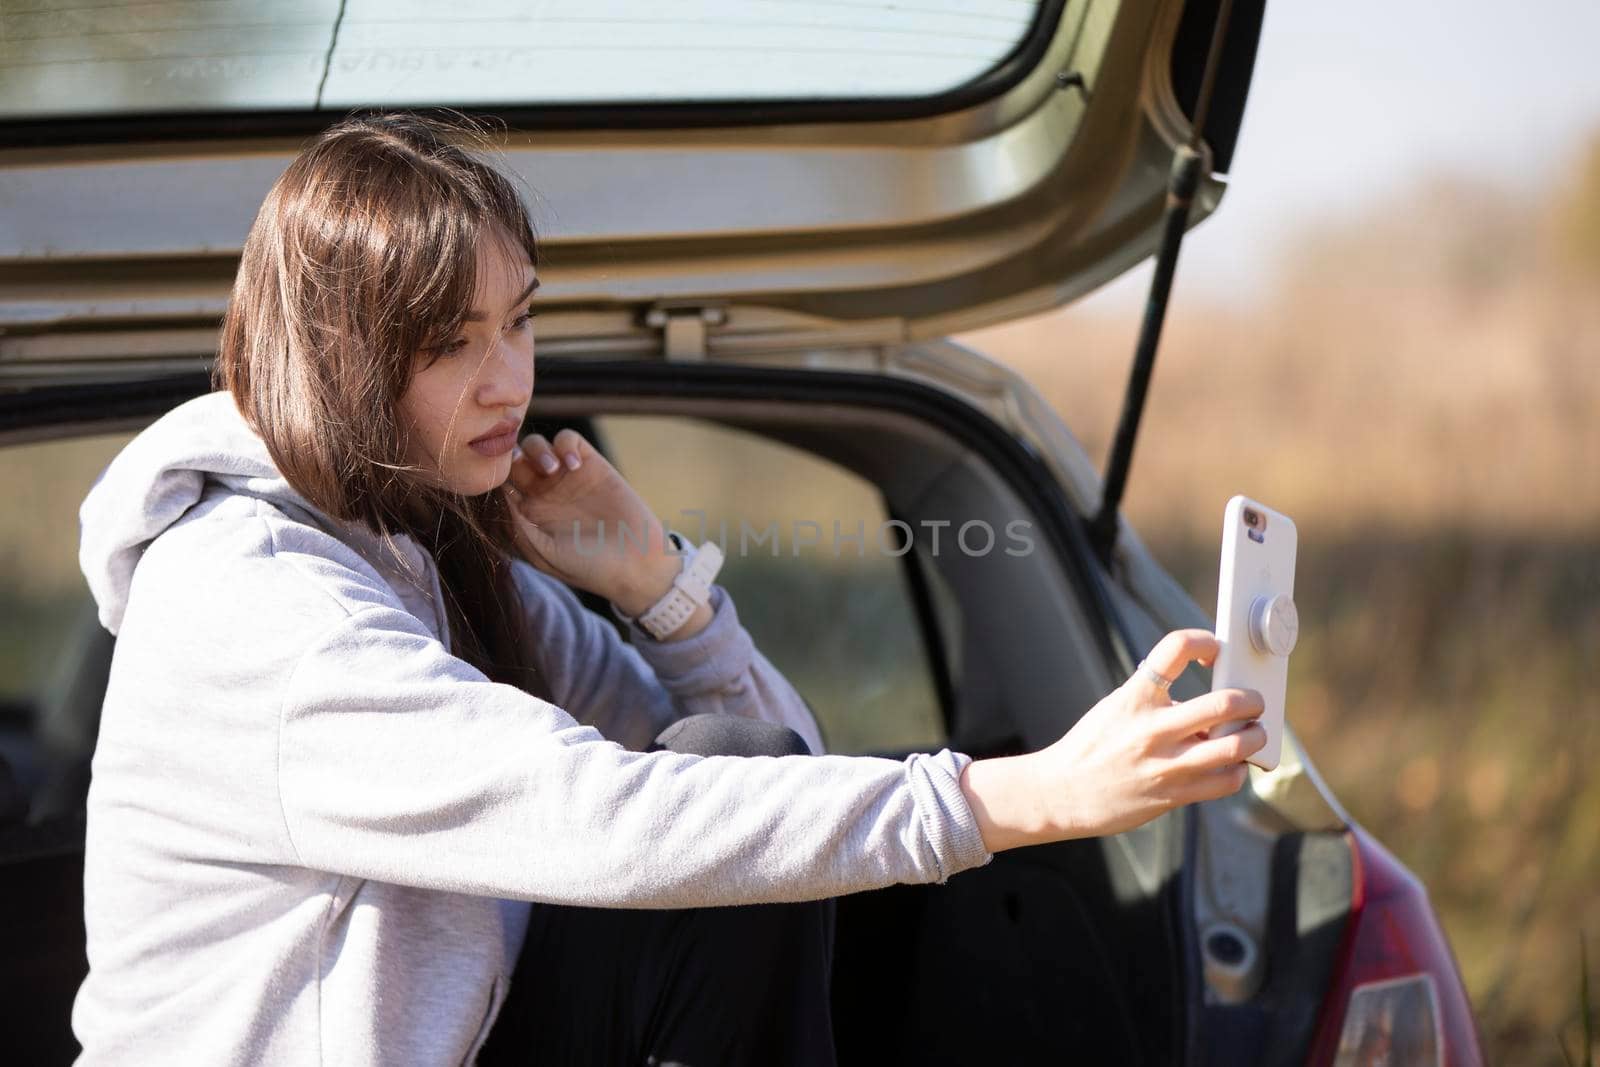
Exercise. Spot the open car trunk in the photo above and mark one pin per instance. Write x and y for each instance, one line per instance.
(907, 174)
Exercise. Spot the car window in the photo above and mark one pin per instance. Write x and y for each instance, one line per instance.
(62, 57)
(814, 567)
(50, 640)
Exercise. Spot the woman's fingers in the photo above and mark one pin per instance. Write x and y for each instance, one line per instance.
(1172, 656)
(536, 456)
(569, 445)
(1216, 783)
(1218, 752)
(1180, 648)
(546, 457)
(1211, 709)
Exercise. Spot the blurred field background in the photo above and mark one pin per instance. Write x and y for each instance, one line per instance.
(1418, 385)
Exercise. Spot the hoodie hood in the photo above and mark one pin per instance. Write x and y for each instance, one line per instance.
(163, 472)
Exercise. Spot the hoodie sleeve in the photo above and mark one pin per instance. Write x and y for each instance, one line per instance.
(402, 763)
(631, 692)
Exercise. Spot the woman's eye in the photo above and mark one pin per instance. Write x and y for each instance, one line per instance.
(519, 323)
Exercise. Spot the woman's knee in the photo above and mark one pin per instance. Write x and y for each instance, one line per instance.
(729, 735)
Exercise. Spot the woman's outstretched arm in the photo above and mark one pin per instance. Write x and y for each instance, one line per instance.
(399, 762)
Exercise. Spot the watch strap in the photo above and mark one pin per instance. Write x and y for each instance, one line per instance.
(691, 587)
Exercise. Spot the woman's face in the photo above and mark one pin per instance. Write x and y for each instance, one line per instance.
(465, 404)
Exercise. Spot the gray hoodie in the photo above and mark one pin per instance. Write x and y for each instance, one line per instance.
(313, 832)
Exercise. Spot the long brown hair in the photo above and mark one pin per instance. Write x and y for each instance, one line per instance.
(364, 254)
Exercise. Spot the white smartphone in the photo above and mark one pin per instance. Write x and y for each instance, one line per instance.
(1257, 624)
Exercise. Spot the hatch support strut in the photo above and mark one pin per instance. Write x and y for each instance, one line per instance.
(1187, 169)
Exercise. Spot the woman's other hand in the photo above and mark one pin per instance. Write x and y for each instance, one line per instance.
(1133, 756)
(579, 520)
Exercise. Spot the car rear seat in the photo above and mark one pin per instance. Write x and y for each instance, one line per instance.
(42, 958)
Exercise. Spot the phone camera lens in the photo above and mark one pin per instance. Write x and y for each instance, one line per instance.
(1251, 518)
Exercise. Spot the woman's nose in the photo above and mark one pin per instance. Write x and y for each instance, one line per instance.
(507, 376)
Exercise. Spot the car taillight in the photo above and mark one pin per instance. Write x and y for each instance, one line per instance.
(1397, 998)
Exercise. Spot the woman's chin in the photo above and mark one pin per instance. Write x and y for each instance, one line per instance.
(478, 474)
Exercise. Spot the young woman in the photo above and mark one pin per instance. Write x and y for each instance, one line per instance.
(366, 764)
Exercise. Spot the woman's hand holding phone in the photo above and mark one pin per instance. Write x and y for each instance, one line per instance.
(1135, 755)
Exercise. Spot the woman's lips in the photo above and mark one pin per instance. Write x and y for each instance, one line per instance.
(498, 445)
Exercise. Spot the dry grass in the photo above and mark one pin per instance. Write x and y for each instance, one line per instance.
(1345, 403)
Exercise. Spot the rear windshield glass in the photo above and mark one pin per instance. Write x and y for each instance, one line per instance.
(72, 58)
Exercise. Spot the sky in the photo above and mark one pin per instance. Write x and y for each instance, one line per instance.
(1356, 100)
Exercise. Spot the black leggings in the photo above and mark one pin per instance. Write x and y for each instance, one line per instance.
(694, 986)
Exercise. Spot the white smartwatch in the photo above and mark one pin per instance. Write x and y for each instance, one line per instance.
(691, 587)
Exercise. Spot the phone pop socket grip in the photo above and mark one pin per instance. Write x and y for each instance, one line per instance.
(1274, 624)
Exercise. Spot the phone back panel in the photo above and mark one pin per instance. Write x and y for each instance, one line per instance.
(1251, 569)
